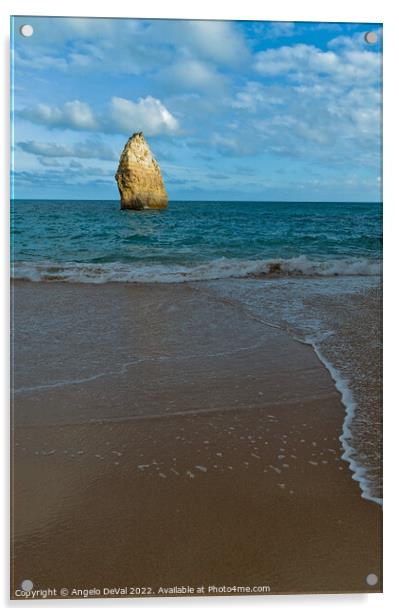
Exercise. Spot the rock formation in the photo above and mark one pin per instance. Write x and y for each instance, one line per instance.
(139, 177)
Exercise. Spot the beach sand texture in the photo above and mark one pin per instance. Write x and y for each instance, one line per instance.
(164, 437)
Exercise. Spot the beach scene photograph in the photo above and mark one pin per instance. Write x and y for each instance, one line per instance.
(196, 308)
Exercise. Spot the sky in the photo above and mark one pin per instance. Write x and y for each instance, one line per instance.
(258, 111)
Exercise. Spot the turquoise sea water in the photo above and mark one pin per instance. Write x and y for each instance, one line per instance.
(94, 241)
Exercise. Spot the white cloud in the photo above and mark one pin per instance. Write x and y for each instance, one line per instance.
(356, 41)
(277, 29)
(148, 115)
(82, 44)
(192, 76)
(321, 105)
(219, 41)
(122, 117)
(316, 105)
(75, 115)
(233, 143)
(60, 175)
(45, 149)
(49, 162)
(91, 148)
(306, 63)
(34, 59)
(296, 58)
(255, 96)
(129, 46)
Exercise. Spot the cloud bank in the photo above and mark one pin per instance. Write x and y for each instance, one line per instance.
(122, 116)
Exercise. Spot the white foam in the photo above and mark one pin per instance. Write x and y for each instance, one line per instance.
(359, 473)
(211, 270)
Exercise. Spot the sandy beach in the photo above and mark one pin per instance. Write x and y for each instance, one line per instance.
(176, 441)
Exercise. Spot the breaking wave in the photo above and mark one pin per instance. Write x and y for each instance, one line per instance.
(210, 270)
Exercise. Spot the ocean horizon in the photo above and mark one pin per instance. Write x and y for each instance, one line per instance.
(275, 201)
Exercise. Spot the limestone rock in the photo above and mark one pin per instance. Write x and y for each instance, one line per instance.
(139, 177)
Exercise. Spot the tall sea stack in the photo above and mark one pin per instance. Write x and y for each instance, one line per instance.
(139, 177)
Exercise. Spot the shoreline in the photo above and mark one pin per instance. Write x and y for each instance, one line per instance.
(342, 345)
(359, 472)
(261, 486)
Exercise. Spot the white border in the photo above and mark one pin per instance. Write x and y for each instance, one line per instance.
(284, 10)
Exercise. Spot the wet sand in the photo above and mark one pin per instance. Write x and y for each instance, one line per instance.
(165, 438)
(342, 316)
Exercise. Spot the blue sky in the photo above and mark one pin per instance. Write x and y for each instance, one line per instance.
(231, 110)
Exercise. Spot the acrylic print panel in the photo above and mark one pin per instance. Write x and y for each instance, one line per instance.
(196, 295)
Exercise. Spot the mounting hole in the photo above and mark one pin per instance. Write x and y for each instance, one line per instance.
(26, 30)
(27, 585)
(371, 38)
(371, 579)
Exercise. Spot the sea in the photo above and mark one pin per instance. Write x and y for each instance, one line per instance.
(312, 269)
(94, 241)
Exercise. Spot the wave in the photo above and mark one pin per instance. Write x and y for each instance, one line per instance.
(210, 270)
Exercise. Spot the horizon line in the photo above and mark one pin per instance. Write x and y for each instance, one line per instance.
(199, 200)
